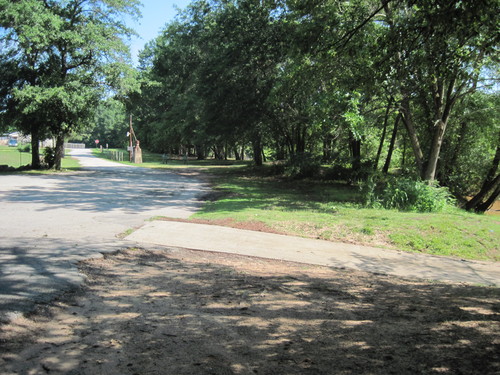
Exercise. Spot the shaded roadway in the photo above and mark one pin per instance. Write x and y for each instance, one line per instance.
(49, 222)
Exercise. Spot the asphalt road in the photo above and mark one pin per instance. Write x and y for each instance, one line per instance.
(49, 222)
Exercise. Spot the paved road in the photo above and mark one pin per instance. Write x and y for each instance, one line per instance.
(48, 222)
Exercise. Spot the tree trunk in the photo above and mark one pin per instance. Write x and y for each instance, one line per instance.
(218, 152)
(200, 152)
(327, 148)
(477, 204)
(35, 147)
(236, 152)
(257, 151)
(355, 146)
(445, 97)
(59, 152)
(494, 165)
(437, 141)
(483, 207)
(280, 150)
(490, 182)
(384, 132)
(301, 139)
(412, 133)
(387, 164)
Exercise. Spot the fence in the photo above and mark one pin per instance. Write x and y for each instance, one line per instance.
(74, 145)
(113, 155)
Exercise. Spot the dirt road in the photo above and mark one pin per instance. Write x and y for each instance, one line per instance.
(187, 312)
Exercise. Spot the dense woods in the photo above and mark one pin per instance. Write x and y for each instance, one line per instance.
(364, 87)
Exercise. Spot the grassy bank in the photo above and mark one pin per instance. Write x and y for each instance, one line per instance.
(249, 198)
(331, 212)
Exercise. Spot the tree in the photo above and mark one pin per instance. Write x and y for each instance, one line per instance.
(69, 53)
(211, 72)
(111, 124)
(490, 190)
(439, 52)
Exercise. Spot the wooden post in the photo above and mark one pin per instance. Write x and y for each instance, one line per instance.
(130, 149)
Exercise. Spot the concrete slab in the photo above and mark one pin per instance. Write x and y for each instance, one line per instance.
(325, 253)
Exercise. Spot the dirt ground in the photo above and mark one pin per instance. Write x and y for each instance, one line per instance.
(191, 312)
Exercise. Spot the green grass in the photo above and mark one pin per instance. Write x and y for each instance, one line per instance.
(12, 157)
(332, 211)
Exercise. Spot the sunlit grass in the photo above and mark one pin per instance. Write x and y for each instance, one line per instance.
(13, 158)
(331, 212)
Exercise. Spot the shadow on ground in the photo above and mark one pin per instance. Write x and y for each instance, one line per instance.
(108, 189)
(188, 312)
(37, 269)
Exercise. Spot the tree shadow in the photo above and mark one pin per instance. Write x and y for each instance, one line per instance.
(146, 313)
(108, 189)
(36, 270)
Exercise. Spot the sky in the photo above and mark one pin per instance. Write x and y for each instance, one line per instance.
(155, 14)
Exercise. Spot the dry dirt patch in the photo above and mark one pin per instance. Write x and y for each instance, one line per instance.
(190, 312)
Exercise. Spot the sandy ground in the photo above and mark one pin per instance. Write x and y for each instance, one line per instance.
(191, 312)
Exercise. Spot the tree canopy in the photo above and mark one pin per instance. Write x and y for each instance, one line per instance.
(362, 85)
(60, 57)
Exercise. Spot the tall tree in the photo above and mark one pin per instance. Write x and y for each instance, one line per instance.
(438, 54)
(69, 53)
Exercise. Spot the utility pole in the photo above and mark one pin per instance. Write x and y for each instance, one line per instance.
(130, 147)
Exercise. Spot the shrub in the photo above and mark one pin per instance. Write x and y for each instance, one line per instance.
(24, 148)
(337, 173)
(405, 195)
(277, 168)
(49, 156)
(302, 165)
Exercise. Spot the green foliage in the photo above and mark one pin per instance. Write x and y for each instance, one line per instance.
(302, 165)
(405, 195)
(471, 145)
(111, 125)
(66, 54)
(328, 78)
(352, 116)
(49, 157)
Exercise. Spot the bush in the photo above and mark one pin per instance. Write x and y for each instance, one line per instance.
(405, 195)
(302, 165)
(24, 148)
(277, 168)
(338, 173)
(49, 157)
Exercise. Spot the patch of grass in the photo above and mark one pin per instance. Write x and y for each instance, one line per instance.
(334, 212)
(12, 157)
(69, 163)
(126, 233)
